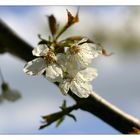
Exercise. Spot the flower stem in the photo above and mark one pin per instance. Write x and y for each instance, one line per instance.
(62, 31)
(71, 20)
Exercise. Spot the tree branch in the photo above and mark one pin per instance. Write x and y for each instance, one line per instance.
(109, 113)
(96, 105)
(12, 43)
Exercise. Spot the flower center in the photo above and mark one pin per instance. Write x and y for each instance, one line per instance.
(74, 49)
(50, 57)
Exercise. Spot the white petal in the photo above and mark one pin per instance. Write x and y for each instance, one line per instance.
(87, 74)
(64, 86)
(92, 49)
(35, 67)
(61, 60)
(96, 49)
(83, 40)
(81, 89)
(87, 53)
(84, 59)
(54, 73)
(68, 62)
(84, 56)
(72, 66)
(41, 50)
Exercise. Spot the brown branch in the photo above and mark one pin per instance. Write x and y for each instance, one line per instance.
(108, 113)
(12, 43)
(95, 104)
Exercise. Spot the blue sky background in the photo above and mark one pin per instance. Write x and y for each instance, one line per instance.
(118, 79)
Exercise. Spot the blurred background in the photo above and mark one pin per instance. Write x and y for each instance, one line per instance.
(116, 27)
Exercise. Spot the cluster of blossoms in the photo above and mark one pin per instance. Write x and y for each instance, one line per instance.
(69, 68)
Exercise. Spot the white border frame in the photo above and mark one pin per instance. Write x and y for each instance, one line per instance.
(70, 137)
(69, 2)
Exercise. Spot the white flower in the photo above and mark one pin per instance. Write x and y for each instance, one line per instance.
(66, 65)
(46, 62)
(81, 53)
(68, 68)
(80, 83)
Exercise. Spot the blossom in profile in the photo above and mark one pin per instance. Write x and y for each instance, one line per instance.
(82, 53)
(79, 83)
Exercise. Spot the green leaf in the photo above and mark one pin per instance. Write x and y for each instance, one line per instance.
(49, 119)
(72, 116)
(43, 126)
(43, 41)
(52, 24)
(58, 117)
(72, 19)
(64, 105)
(60, 121)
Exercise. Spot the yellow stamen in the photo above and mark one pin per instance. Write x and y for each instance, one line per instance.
(74, 49)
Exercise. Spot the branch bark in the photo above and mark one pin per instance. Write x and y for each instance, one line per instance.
(96, 105)
(12, 43)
